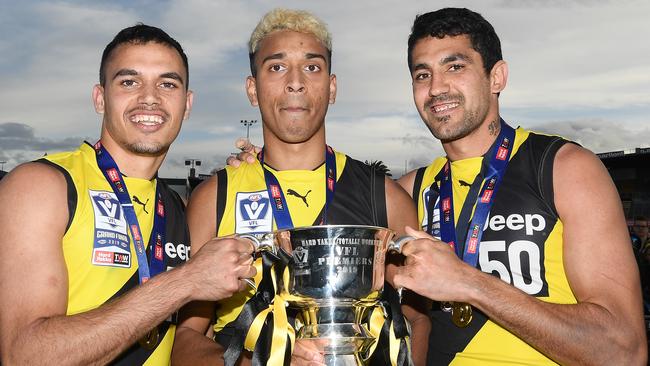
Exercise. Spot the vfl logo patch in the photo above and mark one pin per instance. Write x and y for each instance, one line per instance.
(110, 242)
(108, 212)
(107, 206)
(253, 213)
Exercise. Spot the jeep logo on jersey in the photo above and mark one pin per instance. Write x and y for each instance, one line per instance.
(180, 250)
(515, 222)
(253, 213)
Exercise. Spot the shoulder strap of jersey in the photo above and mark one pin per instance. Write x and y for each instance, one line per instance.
(545, 172)
(417, 184)
(378, 197)
(171, 197)
(222, 192)
(72, 191)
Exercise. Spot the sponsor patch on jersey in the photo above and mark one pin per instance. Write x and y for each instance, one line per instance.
(502, 153)
(111, 241)
(473, 243)
(275, 190)
(113, 174)
(426, 197)
(111, 256)
(487, 196)
(160, 209)
(158, 252)
(253, 212)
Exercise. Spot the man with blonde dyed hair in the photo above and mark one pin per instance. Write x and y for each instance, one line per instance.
(291, 83)
(294, 20)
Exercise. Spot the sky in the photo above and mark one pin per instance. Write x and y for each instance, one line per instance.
(576, 68)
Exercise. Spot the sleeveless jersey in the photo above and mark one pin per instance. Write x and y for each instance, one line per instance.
(97, 218)
(243, 206)
(521, 244)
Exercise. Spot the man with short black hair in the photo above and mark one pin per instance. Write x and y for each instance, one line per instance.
(526, 265)
(86, 277)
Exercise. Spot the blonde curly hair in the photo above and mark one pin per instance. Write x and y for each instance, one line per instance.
(288, 19)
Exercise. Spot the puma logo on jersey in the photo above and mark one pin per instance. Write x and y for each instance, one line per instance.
(291, 192)
(144, 205)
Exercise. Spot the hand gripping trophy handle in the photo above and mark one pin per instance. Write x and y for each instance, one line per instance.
(260, 245)
(396, 247)
(461, 313)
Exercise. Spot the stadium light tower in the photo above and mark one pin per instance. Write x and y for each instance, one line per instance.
(192, 163)
(248, 125)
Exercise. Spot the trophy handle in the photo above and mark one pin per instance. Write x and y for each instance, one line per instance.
(265, 244)
(396, 246)
(261, 245)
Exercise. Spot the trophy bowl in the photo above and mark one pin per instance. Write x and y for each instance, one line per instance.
(335, 278)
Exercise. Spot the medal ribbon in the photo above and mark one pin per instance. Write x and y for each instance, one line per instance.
(114, 177)
(388, 322)
(279, 203)
(262, 314)
(499, 156)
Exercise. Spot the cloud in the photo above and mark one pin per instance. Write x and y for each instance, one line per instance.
(19, 136)
(599, 135)
(572, 63)
(18, 143)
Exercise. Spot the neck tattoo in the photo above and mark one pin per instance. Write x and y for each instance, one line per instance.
(494, 127)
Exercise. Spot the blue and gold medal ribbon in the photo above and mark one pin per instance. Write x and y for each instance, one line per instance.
(279, 205)
(113, 175)
(499, 156)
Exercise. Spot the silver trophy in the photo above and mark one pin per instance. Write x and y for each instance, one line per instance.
(334, 279)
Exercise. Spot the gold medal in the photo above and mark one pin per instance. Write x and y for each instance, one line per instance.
(150, 340)
(461, 314)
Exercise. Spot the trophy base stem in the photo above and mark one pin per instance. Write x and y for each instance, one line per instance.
(341, 344)
(343, 360)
